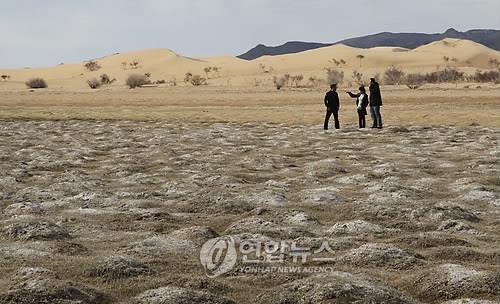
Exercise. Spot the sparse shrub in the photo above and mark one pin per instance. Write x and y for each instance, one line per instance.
(449, 75)
(207, 71)
(314, 81)
(94, 83)
(486, 76)
(36, 83)
(148, 75)
(494, 62)
(136, 80)
(92, 66)
(197, 80)
(162, 81)
(296, 80)
(415, 80)
(279, 82)
(134, 64)
(5, 77)
(106, 80)
(358, 77)
(334, 61)
(264, 69)
(334, 76)
(187, 77)
(173, 82)
(360, 57)
(393, 76)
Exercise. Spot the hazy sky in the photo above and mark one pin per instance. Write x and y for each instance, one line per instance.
(40, 33)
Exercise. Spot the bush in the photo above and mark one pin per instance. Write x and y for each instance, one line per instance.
(279, 82)
(136, 80)
(393, 76)
(358, 78)
(92, 66)
(36, 83)
(197, 80)
(105, 79)
(94, 83)
(188, 77)
(415, 81)
(487, 76)
(296, 79)
(334, 76)
(314, 81)
(446, 75)
(5, 77)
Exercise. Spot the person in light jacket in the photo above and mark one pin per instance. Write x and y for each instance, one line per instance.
(361, 104)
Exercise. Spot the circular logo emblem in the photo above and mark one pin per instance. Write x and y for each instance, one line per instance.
(218, 256)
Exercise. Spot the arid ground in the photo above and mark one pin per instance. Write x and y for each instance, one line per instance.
(108, 196)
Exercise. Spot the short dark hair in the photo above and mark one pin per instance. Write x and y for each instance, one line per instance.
(333, 85)
(362, 89)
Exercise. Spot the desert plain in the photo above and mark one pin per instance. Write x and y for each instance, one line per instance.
(107, 195)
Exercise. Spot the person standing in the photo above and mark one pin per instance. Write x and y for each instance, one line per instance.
(375, 103)
(361, 104)
(332, 104)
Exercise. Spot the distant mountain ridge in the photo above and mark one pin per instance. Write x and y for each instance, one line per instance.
(489, 38)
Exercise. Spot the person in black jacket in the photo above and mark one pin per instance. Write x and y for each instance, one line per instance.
(361, 104)
(375, 103)
(332, 104)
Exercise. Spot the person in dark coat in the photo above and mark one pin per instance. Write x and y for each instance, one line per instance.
(332, 104)
(375, 104)
(361, 104)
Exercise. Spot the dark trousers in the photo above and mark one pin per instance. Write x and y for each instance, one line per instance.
(376, 117)
(362, 120)
(335, 115)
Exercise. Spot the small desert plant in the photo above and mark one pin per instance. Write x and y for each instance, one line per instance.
(5, 77)
(94, 83)
(187, 77)
(494, 63)
(296, 80)
(197, 80)
(92, 66)
(134, 64)
(334, 76)
(486, 76)
(36, 83)
(265, 69)
(106, 80)
(357, 77)
(360, 57)
(279, 82)
(414, 81)
(314, 81)
(136, 80)
(334, 61)
(161, 81)
(173, 82)
(393, 76)
(207, 71)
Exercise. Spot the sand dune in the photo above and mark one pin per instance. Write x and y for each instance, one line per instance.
(166, 64)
